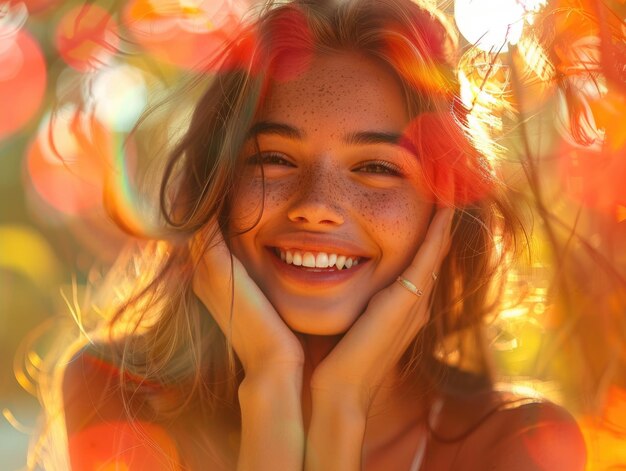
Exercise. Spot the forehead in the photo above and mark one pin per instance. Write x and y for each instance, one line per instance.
(342, 90)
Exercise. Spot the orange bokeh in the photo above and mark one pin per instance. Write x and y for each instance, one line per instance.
(22, 80)
(67, 166)
(124, 447)
(38, 6)
(87, 37)
(454, 171)
(290, 38)
(191, 37)
(605, 434)
(594, 178)
(608, 113)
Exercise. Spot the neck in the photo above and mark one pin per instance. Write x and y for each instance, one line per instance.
(396, 406)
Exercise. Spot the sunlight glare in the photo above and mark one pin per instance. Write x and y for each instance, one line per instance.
(491, 25)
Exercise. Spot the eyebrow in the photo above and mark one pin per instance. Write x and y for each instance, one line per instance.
(354, 138)
(373, 137)
(280, 129)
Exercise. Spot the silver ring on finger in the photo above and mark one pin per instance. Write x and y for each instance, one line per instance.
(409, 286)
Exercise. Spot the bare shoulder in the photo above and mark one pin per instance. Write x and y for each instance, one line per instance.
(104, 429)
(526, 433)
(537, 435)
(92, 391)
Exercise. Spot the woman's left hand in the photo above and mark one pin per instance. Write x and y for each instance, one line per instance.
(394, 316)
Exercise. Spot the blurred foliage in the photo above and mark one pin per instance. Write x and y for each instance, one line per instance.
(75, 77)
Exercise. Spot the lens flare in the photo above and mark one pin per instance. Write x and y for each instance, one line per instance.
(491, 25)
(22, 78)
(87, 37)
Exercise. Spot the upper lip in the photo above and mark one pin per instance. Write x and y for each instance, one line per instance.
(315, 243)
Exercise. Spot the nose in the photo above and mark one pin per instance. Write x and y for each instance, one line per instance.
(318, 198)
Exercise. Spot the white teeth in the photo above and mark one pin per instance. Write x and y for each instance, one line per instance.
(308, 260)
(332, 258)
(297, 259)
(321, 260)
(341, 259)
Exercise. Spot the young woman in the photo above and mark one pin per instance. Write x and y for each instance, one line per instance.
(318, 302)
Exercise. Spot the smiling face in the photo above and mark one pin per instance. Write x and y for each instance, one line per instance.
(336, 183)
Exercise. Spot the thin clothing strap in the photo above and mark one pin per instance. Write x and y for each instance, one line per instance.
(431, 417)
(421, 450)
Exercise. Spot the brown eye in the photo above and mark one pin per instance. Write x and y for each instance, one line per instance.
(268, 159)
(381, 167)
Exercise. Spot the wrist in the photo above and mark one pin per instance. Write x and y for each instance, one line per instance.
(335, 434)
(272, 431)
(346, 404)
(283, 357)
(262, 384)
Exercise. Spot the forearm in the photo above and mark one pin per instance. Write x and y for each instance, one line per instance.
(272, 434)
(335, 435)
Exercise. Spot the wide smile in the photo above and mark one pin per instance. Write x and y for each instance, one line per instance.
(308, 259)
(315, 269)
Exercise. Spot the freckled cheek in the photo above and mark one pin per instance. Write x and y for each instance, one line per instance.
(249, 202)
(245, 206)
(396, 218)
(278, 193)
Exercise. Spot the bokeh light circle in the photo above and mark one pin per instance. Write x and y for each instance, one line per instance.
(117, 95)
(594, 179)
(188, 35)
(454, 172)
(68, 161)
(87, 37)
(22, 79)
(39, 6)
(27, 252)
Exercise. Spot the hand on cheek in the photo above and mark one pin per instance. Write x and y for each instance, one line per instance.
(394, 316)
(262, 341)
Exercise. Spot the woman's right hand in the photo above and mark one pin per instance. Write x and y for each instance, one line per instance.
(262, 341)
(272, 432)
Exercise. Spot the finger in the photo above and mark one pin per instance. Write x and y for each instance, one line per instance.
(394, 315)
(399, 305)
(426, 262)
(243, 313)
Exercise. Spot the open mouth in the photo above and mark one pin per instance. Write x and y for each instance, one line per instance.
(316, 261)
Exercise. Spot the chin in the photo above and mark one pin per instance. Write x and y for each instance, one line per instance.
(320, 322)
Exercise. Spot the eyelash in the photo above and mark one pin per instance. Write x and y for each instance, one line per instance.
(267, 159)
(389, 168)
(277, 159)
